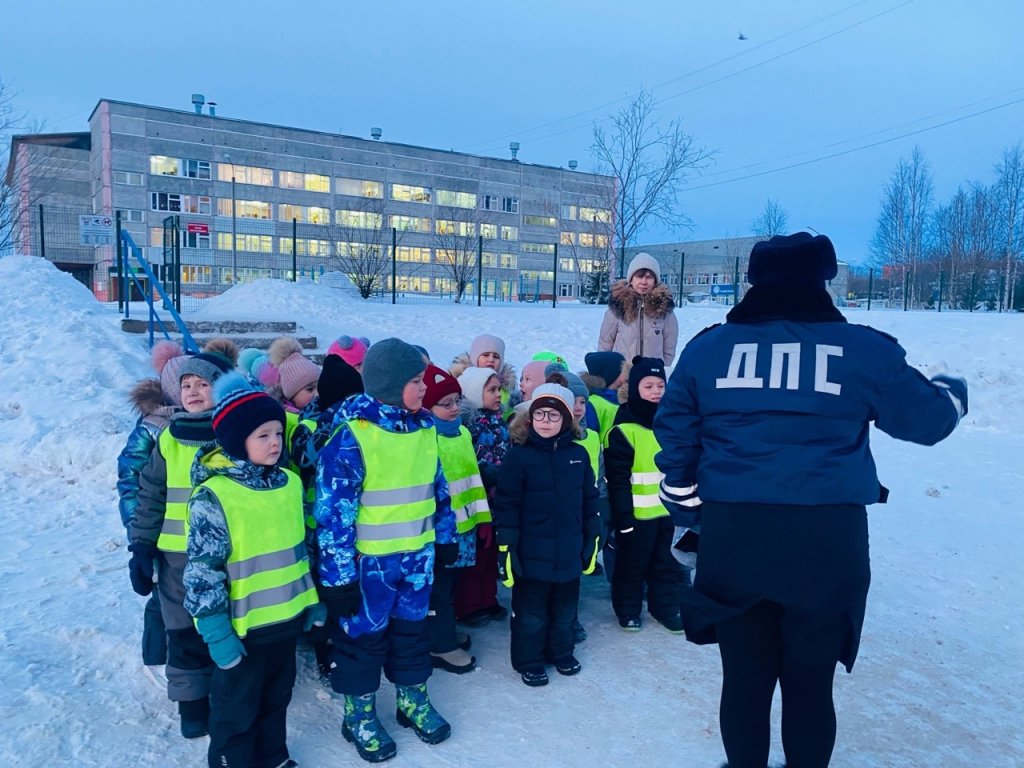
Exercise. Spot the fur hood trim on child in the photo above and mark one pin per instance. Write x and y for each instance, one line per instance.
(147, 397)
(519, 429)
(625, 302)
(506, 373)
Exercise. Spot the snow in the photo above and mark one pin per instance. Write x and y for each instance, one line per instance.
(941, 668)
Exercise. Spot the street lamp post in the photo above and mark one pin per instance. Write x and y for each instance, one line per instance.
(234, 226)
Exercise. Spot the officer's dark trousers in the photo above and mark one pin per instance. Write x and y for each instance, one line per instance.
(643, 556)
(441, 619)
(249, 706)
(542, 615)
(758, 650)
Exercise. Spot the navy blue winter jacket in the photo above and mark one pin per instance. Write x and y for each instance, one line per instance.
(545, 504)
(778, 411)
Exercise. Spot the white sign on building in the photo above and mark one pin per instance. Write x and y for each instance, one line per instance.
(96, 230)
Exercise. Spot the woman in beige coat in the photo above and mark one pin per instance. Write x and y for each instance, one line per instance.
(640, 318)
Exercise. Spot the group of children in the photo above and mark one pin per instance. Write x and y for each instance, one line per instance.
(373, 504)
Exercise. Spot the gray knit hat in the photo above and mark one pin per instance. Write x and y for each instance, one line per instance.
(644, 261)
(574, 382)
(388, 366)
(205, 365)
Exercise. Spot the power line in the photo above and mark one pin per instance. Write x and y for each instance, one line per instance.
(746, 52)
(855, 149)
(577, 127)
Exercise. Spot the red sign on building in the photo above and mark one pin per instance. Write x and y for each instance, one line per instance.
(200, 229)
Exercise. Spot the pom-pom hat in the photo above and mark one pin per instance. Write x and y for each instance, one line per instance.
(239, 411)
(296, 370)
(439, 384)
(351, 349)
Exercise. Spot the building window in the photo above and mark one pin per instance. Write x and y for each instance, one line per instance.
(195, 239)
(567, 238)
(359, 188)
(359, 219)
(305, 247)
(508, 261)
(197, 169)
(245, 275)
(357, 250)
(316, 215)
(569, 212)
(413, 254)
(413, 284)
(510, 233)
(245, 242)
(127, 177)
(489, 231)
(131, 215)
(410, 223)
(165, 201)
(410, 194)
(510, 204)
(246, 209)
(540, 221)
(195, 274)
(460, 228)
(245, 174)
(566, 265)
(311, 182)
(596, 214)
(547, 248)
(164, 166)
(310, 213)
(492, 203)
(199, 204)
(569, 290)
(456, 199)
(589, 240)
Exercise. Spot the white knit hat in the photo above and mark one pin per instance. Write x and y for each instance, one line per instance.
(644, 261)
(473, 380)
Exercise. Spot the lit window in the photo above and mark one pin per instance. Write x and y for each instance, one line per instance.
(194, 274)
(489, 231)
(245, 174)
(199, 204)
(359, 188)
(413, 254)
(510, 233)
(547, 248)
(359, 219)
(410, 194)
(540, 221)
(596, 214)
(410, 223)
(566, 265)
(317, 215)
(569, 212)
(164, 166)
(460, 228)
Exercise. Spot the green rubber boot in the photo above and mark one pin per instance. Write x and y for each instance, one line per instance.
(362, 728)
(415, 711)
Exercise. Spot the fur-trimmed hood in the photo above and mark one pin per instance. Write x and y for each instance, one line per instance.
(506, 373)
(625, 303)
(146, 396)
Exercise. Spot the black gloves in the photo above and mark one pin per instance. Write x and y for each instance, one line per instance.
(343, 601)
(140, 567)
(445, 554)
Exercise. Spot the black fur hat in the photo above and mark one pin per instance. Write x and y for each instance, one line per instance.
(798, 258)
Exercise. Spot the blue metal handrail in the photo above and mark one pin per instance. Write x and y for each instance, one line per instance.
(130, 250)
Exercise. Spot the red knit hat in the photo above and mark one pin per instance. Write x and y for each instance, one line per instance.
(439, 385)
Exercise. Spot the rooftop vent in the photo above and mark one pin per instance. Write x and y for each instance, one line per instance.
(213, 108)
(375, 133)
(197, 102)
(573, 165)
(513, 147)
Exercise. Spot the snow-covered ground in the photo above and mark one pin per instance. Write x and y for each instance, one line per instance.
(938, 682)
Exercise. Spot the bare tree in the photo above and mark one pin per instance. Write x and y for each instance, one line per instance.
(10, 210)
(590, 247)
(899, 239)
(1009, 193)
(650, 164)
(772, 221)
(361, 237)
(456, 246)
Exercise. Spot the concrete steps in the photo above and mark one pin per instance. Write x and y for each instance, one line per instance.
(259, 334)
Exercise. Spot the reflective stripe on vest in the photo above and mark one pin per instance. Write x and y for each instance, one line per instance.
(469, 499)
(645, 478)
(268, 569)
(178, 458)
(396, 506)
(592, 443)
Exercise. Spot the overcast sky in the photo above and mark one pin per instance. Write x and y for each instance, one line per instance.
(812, 79)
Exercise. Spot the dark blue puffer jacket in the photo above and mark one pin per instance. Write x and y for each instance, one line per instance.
(546, 505)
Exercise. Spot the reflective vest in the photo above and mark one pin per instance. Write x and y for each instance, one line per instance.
(605, 415)
(592, 443)
(309, 494)
(645, 476)
(291, 421)
(397, 504)
(469, 499)
(268, 568)
(178, 457)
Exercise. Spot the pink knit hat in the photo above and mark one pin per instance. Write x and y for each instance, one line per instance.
(297, 371)
(349, 348)
(167, 361)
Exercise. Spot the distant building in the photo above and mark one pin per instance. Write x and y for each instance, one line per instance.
(710, 268)
(252, 198)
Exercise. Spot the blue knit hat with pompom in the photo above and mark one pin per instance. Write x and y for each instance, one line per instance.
(240, 409)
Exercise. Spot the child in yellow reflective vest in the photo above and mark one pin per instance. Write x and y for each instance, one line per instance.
(247, 578)
(641, 527)
(448, 648)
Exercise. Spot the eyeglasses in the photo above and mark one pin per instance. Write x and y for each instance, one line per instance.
(449, 403)
(545, 414)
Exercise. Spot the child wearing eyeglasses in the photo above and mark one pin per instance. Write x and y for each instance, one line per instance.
(448, 648)
(547, 529)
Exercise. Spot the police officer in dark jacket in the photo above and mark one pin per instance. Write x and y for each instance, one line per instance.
(766, 418)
